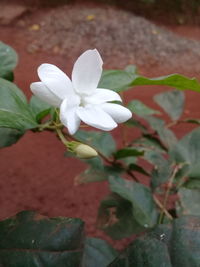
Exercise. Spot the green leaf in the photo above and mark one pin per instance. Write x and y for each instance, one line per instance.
(161, 168)
(97, 253)
(148, 142)
(9, 137)
(14, 110)
(39, 108)
(166, 246)
(8, 61)
(192, 183)
(128, 152)
(140, 109)
(172, 102)
(137, 168)
(115, 217)
(140, 196)
(189, 201)
(96, 172)
(174, 80)
(187, 150)
(29, 239)
(101, 141)
(117, 80)
(167, 137)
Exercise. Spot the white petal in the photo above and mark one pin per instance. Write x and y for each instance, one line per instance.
(117, 112)
(41, 91)
(87, 72)
(101, 96)
(96, 117)
(69, 117)
(56, 80)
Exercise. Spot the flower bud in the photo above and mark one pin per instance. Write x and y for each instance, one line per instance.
(85, 152)
(81, 150)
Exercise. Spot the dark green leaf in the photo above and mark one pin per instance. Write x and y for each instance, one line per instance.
(29, 239)
(127, 152)
(174, 80)
(101, 141)
(137, 168)
(187, 150)
(9, 137)
(136, 123)
(8, 61)
(140, 196)
(166, 246)
(189, 201)
(97, 253)
(149, 142)
(140, 109)
(14, 110)
(115, 217)
(192, 183)
(172, 102)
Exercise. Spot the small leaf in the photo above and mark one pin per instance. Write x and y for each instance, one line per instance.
(137, 168)
(97, 253)
(192, 183)
(9, 137)
(140, 196)
(98, 140)
(127, 152)
(8, 61)
(189, 201)
(39, 108)
(140, 109)
(172, 102)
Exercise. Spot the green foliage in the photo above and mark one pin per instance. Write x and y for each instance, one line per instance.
(30, 239)
(167, 245)
(39, 108)
(140, 109)
(14, 109)
(8, 61)
(98, 140)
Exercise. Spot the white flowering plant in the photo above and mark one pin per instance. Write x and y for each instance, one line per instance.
(93, 97)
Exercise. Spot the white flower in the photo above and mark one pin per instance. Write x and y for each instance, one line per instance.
(80, 99)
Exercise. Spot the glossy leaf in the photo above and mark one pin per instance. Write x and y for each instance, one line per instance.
(29, 239)
(8, 61)
(14, 110)
(97, 253)
(140, 109)
(101, 141)
(174, 80)
(172, 102)
(140, 196)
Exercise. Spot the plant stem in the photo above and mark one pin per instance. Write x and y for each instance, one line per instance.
(160, 205)
(170, 184)
(61, 136)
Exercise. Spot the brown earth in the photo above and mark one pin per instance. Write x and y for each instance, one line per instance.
(34, 173)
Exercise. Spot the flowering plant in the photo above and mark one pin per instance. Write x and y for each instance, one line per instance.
(131, 208)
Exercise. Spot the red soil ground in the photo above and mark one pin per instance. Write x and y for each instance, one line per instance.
(34, 173)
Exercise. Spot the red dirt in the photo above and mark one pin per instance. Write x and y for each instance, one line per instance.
(34, 173)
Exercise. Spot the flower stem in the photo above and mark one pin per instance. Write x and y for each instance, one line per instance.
(170, 185)
(61, 136)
